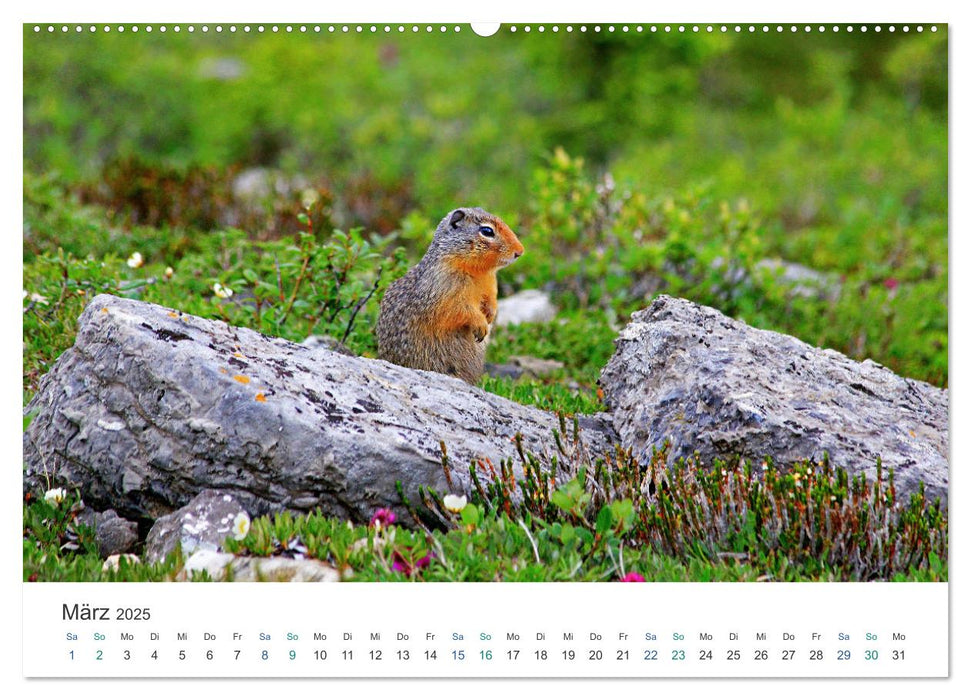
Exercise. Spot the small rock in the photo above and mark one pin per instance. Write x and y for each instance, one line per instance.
(222, 566)
(114, 534)
(523, 365)
(503, 371)
(113, 563)
(204, 523)
(253, 185)
(803, 281)
(536, 367)
(222, 69)
(527, 306)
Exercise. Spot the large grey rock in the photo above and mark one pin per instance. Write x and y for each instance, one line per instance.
(204, 523)
(150, 407)
(718, 387)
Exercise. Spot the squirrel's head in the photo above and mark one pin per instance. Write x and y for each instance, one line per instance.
(475, 241)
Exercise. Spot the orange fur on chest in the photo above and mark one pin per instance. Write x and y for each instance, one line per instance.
(473, 304)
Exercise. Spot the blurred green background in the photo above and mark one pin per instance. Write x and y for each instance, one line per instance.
(630, 164)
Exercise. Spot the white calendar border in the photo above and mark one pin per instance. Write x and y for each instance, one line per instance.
(507, 10)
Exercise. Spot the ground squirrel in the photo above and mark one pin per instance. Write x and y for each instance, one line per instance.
(438, 315)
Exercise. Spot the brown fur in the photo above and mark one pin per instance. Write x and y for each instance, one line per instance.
(437, 317)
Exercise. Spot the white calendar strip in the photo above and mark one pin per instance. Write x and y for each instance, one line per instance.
(486, 630)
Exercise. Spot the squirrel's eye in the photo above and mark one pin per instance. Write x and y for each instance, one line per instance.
(487, 231)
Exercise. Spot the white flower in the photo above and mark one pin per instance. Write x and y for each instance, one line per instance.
(55, 496)
(135, 260)
(241, 525)
(168, 273)
(221, 291)
(38, 299)
(455, 503)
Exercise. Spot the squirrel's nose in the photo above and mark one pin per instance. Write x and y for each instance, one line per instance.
(517, 254)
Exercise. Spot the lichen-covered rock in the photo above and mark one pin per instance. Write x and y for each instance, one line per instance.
(151, 407)
(204, 524)
(715, 386)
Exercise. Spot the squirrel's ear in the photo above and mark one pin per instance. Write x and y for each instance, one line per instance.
(457, 216)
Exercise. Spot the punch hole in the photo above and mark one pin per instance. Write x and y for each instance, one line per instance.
(485, 28)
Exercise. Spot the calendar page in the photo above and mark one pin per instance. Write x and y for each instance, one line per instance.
(522, 350)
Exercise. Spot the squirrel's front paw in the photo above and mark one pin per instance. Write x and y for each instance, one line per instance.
(480, 332)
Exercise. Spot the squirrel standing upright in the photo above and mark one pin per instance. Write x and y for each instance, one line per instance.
(438, 315)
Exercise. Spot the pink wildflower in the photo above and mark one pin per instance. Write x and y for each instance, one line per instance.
(406, 567)
(383, 517)
(633, 576)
